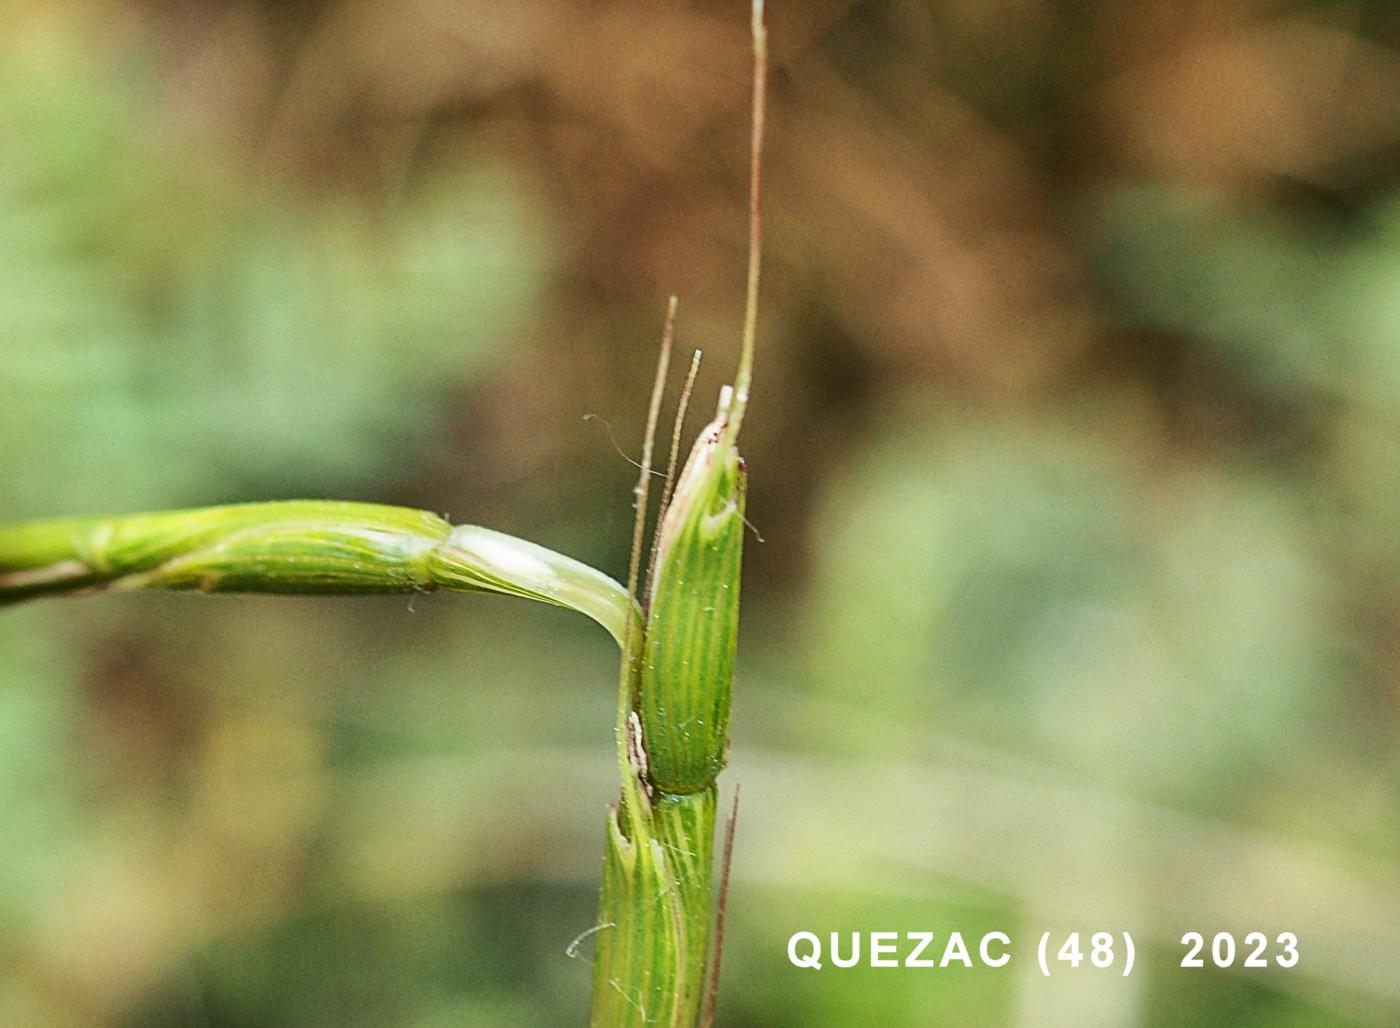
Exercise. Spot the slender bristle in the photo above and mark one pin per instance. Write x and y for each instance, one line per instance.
(641, 490)
(707, 1017)
(676, 431)
(670, 482)
(744, 375)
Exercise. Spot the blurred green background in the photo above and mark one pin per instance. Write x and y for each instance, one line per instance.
(1073, 450)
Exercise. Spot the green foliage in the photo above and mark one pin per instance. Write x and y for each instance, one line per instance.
(692, 628)
(654, 913)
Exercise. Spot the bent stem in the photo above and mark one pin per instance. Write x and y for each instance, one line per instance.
(298, 547)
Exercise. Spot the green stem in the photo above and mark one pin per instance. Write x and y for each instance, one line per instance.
(298, 547)
(654, 914)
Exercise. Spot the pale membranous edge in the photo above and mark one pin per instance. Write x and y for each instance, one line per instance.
(298, 547)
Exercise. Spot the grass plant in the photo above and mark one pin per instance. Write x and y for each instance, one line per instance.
(676, 626)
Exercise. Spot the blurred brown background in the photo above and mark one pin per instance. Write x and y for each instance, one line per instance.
(1072, 450)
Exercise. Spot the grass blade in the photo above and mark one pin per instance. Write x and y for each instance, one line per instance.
(297, 547)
